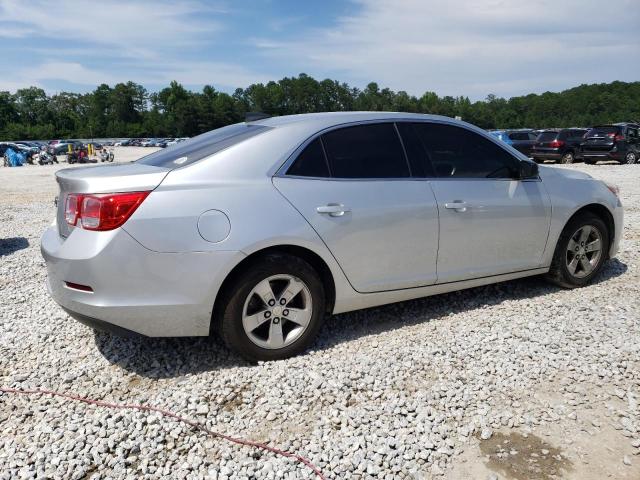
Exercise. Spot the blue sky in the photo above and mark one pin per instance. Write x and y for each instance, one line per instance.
(467, 47)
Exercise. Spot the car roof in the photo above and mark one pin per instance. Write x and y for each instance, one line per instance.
(330, 119)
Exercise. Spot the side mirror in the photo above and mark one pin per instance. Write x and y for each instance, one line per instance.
(528, 169)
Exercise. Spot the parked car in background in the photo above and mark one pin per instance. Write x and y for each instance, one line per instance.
(6, 145)
(28, 146)
(619, 142)
(355, 210)
(62, 146)
(122, 143)
(560, 145)
(522, 139)
(25, 150)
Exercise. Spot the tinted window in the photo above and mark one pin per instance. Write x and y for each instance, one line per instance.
(202, 146)
(519, 136)
(532, 135)
(547, 136)
(311, 162)
(366, 151)
(418, 156)
(603, 131)
(458, 152)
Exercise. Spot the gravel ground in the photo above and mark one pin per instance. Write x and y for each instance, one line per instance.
(516, 380)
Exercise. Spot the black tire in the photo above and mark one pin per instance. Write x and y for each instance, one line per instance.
(559, 272)
(567, 157)
(630, 158)
(230, 312)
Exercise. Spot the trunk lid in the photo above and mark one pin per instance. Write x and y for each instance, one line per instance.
(600, 139)
(132, 177)
(544, 141)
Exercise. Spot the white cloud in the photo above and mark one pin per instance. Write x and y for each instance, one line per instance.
(148, 41)
(472, 47)
(138, 28)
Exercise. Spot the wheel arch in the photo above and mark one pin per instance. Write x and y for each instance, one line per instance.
(600, 211)
(311, 257)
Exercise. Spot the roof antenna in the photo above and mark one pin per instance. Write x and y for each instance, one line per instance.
(253, 116)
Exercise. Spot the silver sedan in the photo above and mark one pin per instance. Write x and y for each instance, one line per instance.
(258, 230)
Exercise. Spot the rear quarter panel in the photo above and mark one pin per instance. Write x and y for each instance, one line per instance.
(238, 183)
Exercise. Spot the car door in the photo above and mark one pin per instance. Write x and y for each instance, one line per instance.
(490, 222)
(354, 186)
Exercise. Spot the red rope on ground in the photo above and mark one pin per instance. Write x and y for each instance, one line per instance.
(166, 413)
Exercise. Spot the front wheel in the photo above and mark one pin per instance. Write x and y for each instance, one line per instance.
(630, 158)
(274, 309)
(580, 252)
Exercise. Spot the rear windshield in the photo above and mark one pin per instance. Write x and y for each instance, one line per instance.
(603, 131)
(202, 146)
(547, 136)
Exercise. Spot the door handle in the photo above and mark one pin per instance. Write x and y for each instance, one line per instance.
(333, 209)
(457, 205)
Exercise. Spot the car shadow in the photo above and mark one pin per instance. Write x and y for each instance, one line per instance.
(157, 358)
(372, 321)
(13, 244)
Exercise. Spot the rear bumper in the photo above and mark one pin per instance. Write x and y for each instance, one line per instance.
(603, 155)
(102, 326)
(134, 289)
(546, 155)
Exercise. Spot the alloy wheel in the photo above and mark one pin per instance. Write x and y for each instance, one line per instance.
(584, 251)
(630, 158)
(277, 311)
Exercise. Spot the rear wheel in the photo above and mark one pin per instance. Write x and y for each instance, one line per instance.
(567, 158)
(274, 309)
(580, 252)
(630, 158)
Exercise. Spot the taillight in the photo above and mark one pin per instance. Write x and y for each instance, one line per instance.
(618, 137)
(556, 144)
(101, 211)
(71, 207)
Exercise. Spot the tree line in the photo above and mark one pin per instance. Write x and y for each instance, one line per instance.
(129, 110)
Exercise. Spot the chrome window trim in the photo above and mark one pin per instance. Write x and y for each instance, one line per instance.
(281, 172)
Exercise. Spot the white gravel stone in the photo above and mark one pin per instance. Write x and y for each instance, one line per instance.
(392, 392)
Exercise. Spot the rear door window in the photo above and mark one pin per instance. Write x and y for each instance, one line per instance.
(311, 162)
(366, 151)
(416, 151)
(202, 146)
(460, 153)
